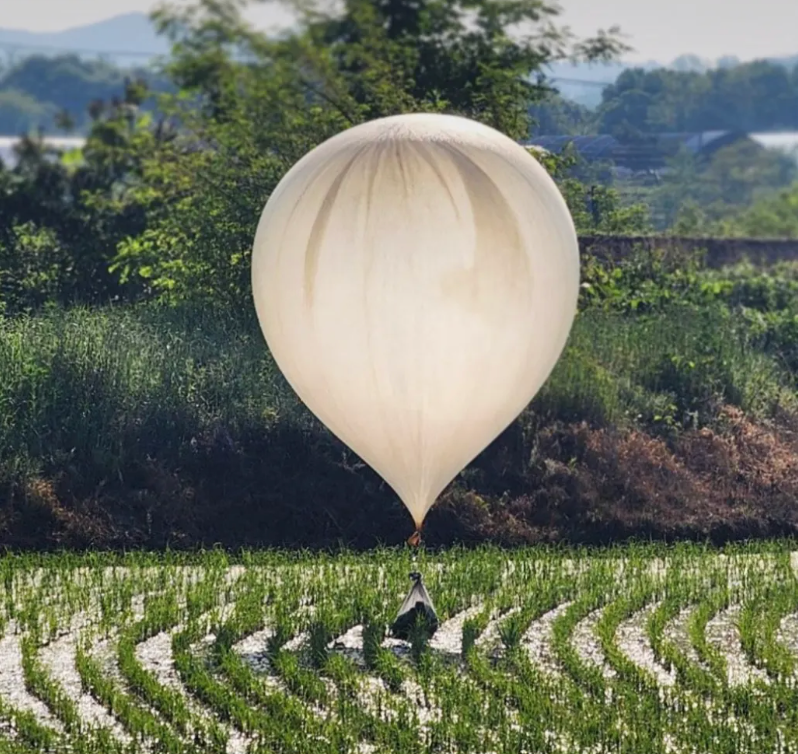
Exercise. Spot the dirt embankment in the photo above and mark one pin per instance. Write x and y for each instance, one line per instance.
(296, 488)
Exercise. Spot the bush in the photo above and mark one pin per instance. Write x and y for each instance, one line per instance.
(147, 424)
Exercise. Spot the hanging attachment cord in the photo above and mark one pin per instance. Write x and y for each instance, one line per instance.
(415, 538)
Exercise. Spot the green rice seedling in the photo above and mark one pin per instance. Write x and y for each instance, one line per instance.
(473, 628)
(319, 636)
(419, 638)
(390, 670)
(373, 635)
(511, 631)
(301, 681)
(282, 631)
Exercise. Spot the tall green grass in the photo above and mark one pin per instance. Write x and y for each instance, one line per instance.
(99, 387)
(675, 368)
(96, 390)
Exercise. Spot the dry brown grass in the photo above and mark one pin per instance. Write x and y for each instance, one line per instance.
(565, 482)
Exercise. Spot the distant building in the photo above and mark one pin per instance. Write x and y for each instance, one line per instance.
(649, 153)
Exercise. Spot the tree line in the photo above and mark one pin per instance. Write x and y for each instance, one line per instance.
(759, 96)
(164, 200)
(54, 92)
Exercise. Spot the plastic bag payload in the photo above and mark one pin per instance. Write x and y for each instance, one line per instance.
(416, 610)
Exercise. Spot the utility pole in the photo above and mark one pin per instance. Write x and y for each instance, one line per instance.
(594, 208)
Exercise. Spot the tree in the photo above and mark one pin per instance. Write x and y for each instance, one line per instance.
(21, 113)
(757, 96)
(251, 106)
(773, 216)
(37, 90)
(61, 219)
(731, 179)
(556, 115)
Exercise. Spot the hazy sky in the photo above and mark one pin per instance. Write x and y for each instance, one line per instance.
(657, 29)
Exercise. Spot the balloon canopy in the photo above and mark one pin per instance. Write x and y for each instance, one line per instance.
(416, 278)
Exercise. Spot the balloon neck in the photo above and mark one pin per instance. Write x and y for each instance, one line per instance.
(415, 538)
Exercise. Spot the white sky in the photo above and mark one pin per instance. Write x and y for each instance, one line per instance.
(657, 29)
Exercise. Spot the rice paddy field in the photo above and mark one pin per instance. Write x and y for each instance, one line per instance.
(635, 649)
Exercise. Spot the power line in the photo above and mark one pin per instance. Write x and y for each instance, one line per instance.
(153, 54)
(584, 82)
(80, 50)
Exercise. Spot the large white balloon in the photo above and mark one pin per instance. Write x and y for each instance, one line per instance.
(416, 278)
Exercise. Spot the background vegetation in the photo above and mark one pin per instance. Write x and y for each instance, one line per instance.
(138, 403)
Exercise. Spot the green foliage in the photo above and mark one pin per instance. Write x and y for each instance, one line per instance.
(373, 635)
(74, 382)
(320, 636)
(61, 220)
(32, 268)
(675, 371)
(53, 92)
(774, 215)
(706, 196)
(757, 96)
(145, 402)
(595, 208)
(598, 209)
(364, 61)
(555, 114)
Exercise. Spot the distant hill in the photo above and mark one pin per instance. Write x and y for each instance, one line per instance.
(128, 33)
(122, 35)
(584, 84)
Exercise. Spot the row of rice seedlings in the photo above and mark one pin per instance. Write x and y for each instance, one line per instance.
(654, 718)
(142, 725)
(145, 726)
(771, 706)
(525, 717)
(20, 605)
(709, 710)
(760, 620)
(161, 614)
(83, 739)
(633, 689)
(29, 733)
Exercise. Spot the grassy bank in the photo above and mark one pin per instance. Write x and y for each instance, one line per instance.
(671, 413)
